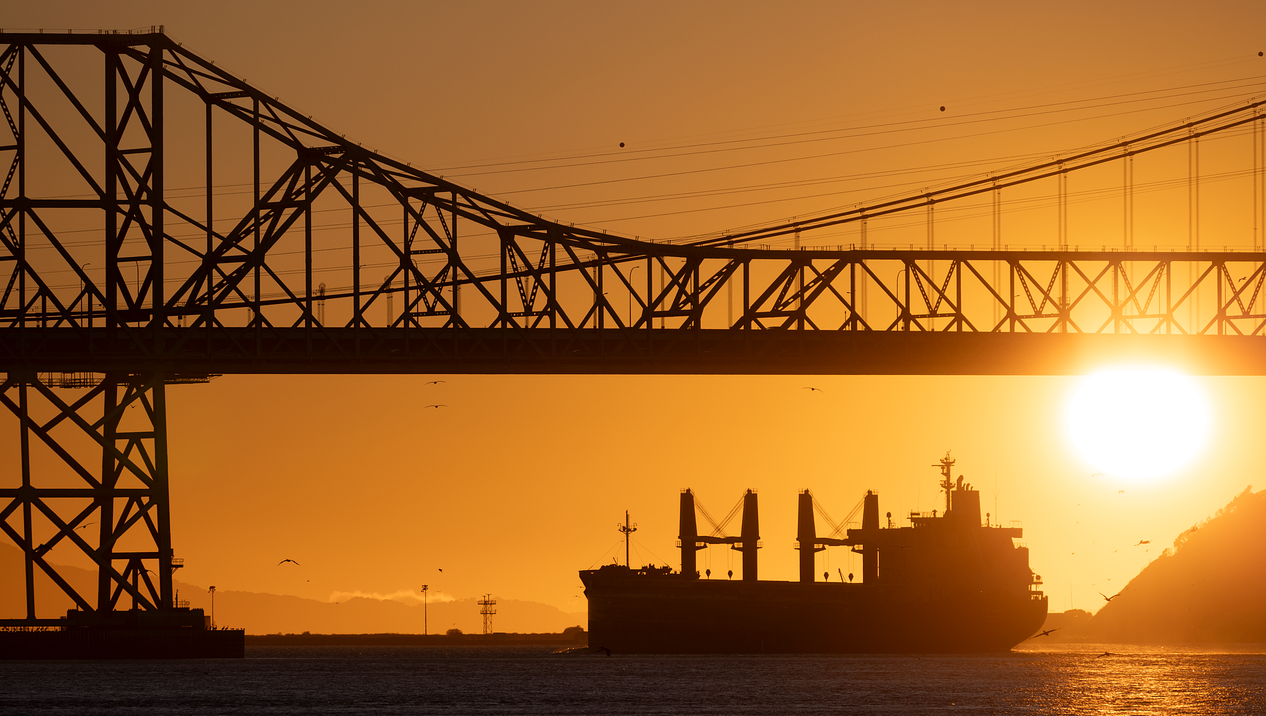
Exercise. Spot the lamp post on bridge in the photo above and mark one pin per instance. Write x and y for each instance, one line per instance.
(631, 291)
(905, 304)
(425, 630)
(83, 269)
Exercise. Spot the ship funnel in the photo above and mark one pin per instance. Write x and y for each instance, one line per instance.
(806, 535)
(870, 525)
(688, 533)
(750, 536)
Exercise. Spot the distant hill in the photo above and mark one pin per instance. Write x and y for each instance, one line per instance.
(1209, 587)
(273, 613)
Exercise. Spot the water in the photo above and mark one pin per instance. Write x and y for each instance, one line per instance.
(1057, 679)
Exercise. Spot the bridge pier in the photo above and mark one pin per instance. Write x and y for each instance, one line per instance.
(94, 480)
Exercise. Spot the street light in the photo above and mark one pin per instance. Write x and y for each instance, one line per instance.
(212, 590)
(83, 284)
(905, 309)
(631, 292)
(425, 587)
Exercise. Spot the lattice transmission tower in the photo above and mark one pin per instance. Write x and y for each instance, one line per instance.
(486, 608)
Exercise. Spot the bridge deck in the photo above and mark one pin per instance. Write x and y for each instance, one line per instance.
(612, 351)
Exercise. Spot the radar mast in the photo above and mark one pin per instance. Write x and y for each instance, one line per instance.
(947, 481)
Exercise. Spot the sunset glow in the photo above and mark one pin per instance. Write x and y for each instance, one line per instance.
(1138, 423)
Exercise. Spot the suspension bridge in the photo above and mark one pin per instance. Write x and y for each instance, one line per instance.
(125, 268)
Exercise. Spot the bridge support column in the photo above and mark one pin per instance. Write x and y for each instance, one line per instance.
(117, 515)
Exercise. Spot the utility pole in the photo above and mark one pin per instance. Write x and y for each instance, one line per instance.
(424, 624)
(626, 530)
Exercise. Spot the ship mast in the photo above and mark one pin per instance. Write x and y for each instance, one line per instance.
(947, 480)
(626, 530)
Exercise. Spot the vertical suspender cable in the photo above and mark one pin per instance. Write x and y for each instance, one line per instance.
(1256, 186)
(931, 245)
(997, 246)
(859, 301)
(1061, 240)
(1191, 232)
(729, 296)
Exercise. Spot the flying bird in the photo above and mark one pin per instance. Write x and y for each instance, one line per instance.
(437, 405)
(1046, 632)
(434, 382)
(1143, 542)
(811, 389)
(288, 560)
(1106, 598)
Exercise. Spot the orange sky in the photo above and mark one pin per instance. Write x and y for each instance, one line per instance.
(521, 480)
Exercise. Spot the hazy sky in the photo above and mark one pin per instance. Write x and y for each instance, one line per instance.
(521, 481)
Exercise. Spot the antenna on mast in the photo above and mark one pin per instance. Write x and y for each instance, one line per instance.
(626, 530)
(947, 482)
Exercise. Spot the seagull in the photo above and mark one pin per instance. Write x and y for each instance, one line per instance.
(810, 388)
(438, 405)
(434, 382)
(1143, 542)
(1106, 653)
(441, 570)
(1106, 598)
(288, 560)
(86, 524)
(1047, 632)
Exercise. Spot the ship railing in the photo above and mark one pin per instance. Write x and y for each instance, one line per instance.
(1016, 524)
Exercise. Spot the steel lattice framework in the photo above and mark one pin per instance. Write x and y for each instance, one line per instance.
(181, 280)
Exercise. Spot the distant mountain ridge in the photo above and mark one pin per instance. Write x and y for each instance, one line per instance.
(261, 613)
(1210, 587)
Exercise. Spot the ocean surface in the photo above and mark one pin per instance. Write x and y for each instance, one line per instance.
(1039, 679)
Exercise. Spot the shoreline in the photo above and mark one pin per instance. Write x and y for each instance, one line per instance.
(389, 639)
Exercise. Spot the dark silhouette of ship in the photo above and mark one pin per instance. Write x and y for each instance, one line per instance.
(947, 583)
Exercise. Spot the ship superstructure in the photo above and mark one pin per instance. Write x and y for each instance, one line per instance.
(948, 582)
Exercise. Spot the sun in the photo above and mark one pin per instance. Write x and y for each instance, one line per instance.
(1138, 423)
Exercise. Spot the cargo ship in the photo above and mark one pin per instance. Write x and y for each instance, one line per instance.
(947, 583)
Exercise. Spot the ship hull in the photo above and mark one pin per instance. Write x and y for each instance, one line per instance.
(671, 614)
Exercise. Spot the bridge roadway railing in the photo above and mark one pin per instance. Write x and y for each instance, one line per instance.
(721, 311)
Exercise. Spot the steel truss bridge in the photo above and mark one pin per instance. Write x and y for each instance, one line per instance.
(126, 266)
